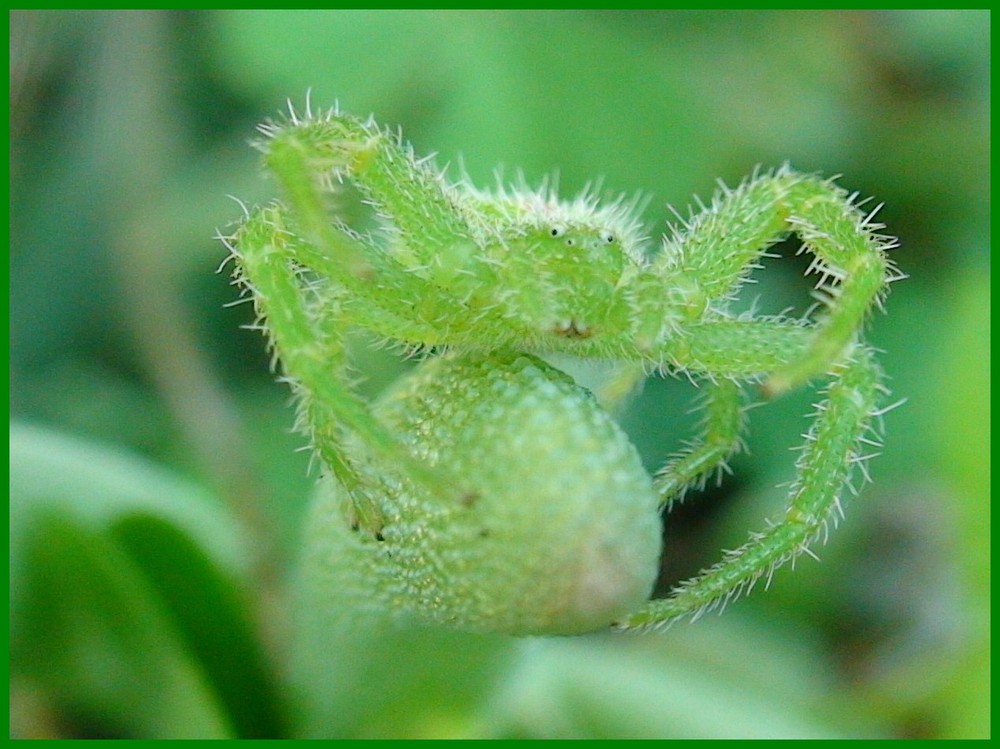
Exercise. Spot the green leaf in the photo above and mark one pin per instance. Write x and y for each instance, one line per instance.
(127, 607)
(722, 678)
(88, 632)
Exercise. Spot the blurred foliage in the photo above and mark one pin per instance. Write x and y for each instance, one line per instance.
(157, 495)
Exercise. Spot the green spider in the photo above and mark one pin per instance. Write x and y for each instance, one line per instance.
(487, 490)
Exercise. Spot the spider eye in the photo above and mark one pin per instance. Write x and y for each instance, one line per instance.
(557, 231)
(607, 237)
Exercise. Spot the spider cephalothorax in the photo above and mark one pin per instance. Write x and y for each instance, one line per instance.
(487, 490)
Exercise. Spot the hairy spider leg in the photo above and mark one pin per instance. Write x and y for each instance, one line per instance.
(718, 248)
(720, 355)
(742, 349)
(307, 340)
(721, 427)
(378, 303)
(854, 272)
(428, 232)
(739, 349)
(432, 257)
(829, 457)
(289, 157)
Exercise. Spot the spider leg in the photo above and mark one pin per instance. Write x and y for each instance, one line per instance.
(712, 255)
(855, 272)
(306, 334)
(429, 225)
(721, 437)
(741, 349)
(430, 264)
(831, 454)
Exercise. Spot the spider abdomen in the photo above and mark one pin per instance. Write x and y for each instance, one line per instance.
(547, 522)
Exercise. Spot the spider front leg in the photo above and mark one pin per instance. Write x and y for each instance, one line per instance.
(831, 453)
(428, 232)
(714, 253)
(429, 260)
(306, 330)
(700, 271)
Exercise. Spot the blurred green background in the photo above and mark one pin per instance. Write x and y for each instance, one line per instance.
(157, 494)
